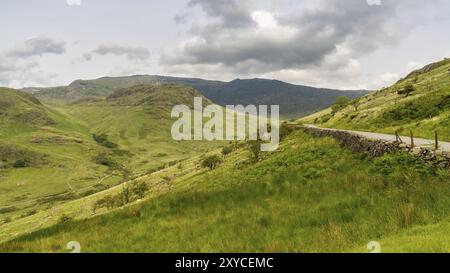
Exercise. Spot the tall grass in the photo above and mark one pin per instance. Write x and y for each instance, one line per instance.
(312, 197)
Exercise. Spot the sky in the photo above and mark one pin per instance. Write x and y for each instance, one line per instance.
(345, 44)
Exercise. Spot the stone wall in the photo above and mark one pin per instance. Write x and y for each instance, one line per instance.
(376, 148)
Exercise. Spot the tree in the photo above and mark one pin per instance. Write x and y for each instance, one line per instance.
(125, 195)
(139, 189)
(212, 162)
(356, 103)
(341, 102)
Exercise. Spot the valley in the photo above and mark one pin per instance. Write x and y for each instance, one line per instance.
(104, 171)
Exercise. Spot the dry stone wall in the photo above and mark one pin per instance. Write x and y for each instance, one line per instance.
(376, 148)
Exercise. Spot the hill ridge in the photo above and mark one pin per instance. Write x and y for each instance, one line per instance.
(294, 100)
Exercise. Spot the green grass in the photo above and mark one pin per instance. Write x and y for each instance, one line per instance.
(424, 111)
(61, 154)
(312, 196)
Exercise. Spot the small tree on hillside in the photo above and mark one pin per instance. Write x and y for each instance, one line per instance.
(212, 162)
(356, 103)
(126, 195)
(341, 102)
(407, 90)
(139, 189)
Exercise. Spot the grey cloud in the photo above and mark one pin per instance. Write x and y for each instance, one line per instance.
(18, 73)
(338, 31)
(132, 53)
(38, 46)
(87, 56)
(233, 13)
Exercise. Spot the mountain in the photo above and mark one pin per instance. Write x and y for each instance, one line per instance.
(419, 103)
(294, 100)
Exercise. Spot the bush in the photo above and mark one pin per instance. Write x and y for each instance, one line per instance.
(211, 162)
(139, 189)
(103, 140)
(326, 118)
(64, 219)
(29, 213)
(136, 190)
(227, 150)
(20, 163)
(126, 195)
(407, 90)
(105, 160)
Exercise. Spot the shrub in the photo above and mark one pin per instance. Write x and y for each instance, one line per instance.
(407, 90)
(212, 162)
(20, 163)
(126, 194)
(103, 140)
(326, 118)
(64, 219)
(29, 213)
(105, 160)
(139, 189)
(110, 202)
(444, 103)
(227, 150)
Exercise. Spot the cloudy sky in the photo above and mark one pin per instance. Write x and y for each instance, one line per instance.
(325, 43)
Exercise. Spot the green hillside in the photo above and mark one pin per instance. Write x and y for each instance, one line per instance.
(142, 192)
(424, 109)
(311, 196)
(52, 154)
(17, 107)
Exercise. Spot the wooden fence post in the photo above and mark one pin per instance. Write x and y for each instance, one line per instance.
(412, 138)
(436, 140)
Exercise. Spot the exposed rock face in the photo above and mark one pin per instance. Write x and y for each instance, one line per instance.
(376, 148)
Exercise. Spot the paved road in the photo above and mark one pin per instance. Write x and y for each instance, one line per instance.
(420, 142)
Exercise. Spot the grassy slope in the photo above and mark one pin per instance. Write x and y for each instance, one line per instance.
(313, 196)
(58, 152)
(426, 110)
(61, 138)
